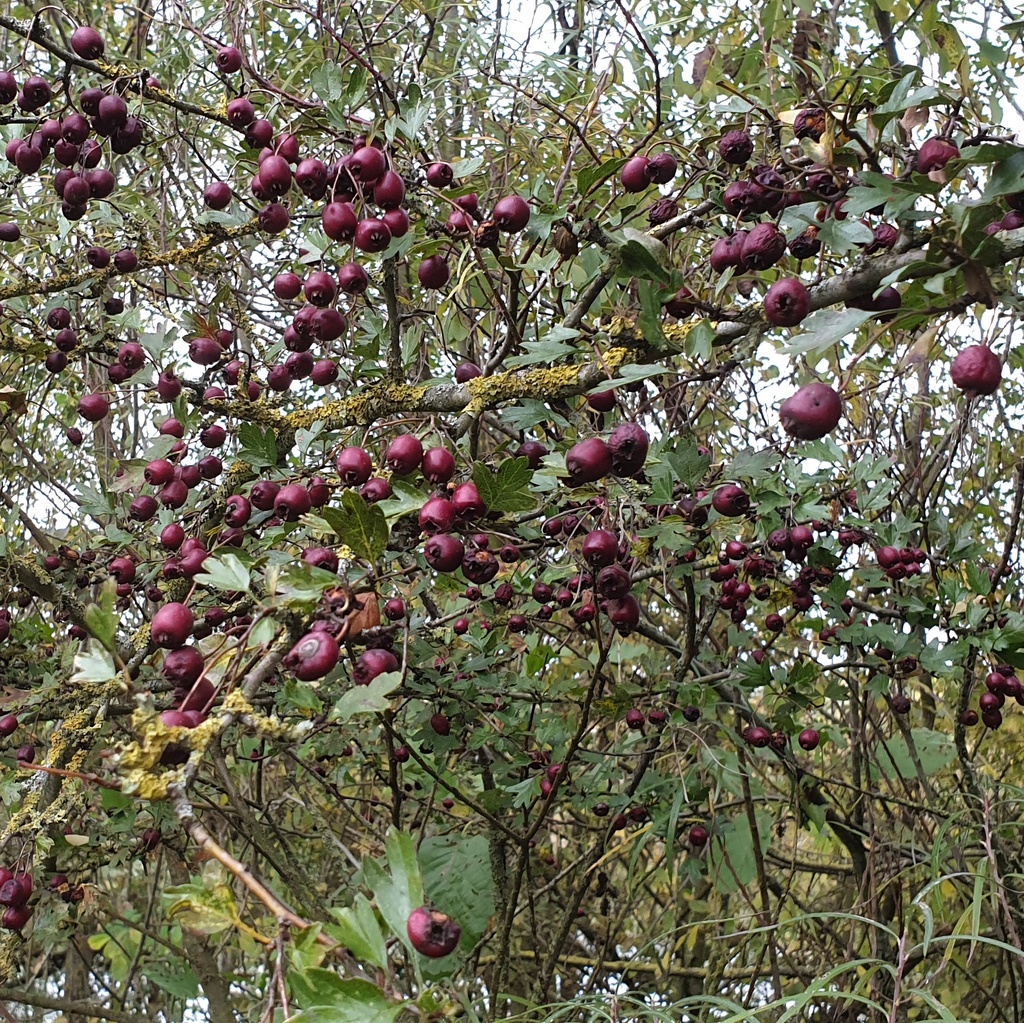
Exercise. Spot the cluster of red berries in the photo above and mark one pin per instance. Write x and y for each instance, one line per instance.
(1001, 684)
(635, 815)
(15, 891)
(759, 737)
(900, 563)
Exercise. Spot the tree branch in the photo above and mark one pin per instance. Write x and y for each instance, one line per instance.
(88, 1010)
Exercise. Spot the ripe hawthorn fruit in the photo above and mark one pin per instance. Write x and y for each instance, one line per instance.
(431, 933)
(812, 413)
(314, 656)
(976, 370)
(787, 302)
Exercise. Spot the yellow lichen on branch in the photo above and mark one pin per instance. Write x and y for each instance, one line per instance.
(69, 747)
(382, 399)
(139, 763)
(140, 766)
(172, 257)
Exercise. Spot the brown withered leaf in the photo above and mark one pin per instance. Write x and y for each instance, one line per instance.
(701, 64)
(564, 241)
(918, 352)
(365, 614)
(14, 398)
(979, 286)
(915, 117)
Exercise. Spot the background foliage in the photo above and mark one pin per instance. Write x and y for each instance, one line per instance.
(264, 864)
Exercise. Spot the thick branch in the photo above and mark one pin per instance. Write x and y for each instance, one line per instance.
(866, 278)
(39, 34)
(184, 254)
(473, 399)
(88, 1010)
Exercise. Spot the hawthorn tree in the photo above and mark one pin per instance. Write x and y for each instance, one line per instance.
(511, 514)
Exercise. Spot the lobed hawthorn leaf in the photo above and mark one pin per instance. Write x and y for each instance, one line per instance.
(359, 931)
(93, 664)
(259, 447)
(731, 858)
(505, 490)
(751, 464)
(369, 699)
(978, 579)
(362, 527)
(651, 314)
(637, 260)
(181, 982)
(895, 759)
(328, 81)
(688, 465)
(398, 890)
(355, 88)
(902, 98)
(467, 168)
(298, 584)
(330, 998)
(225, 572)
(457, 879)
(100, 617)
(208, 909)
(545, 350)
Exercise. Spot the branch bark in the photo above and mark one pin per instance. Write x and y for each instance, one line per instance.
(87, 1010)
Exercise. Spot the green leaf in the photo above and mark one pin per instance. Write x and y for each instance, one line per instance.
(355, 87)
(700, 340)
(588, 177)
(301, 696)
(328, 81)
(547, 349)
(687, 464)
(630, 374)
(457, 877)
(467, 168)
(731, 859)
(1007, 177)
(259, 447)
(978, 578)
(369, 699)
(298, 583)
(206, 909)
(359, 931)
(94, 502)
(824, 328)
(182, 983)
(159, 448)
(333, 999)
(506, 490)
(651, 313)
(905, 96)
(304, 952)
(399, 891)
(530, 413)
(953, 52)
(751, 464)
(935, 750)
(842, 236)
(360, 526)
(637, 260)
(100, 618)
(93, 664)
(225, 572)
(404, 500)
